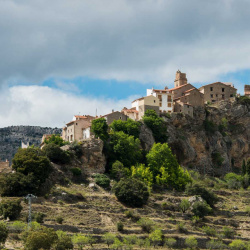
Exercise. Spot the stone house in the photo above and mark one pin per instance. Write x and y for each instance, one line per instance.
(247, 90)
(145, 103)
(73, 131)
(131, 113)
(165, 99)
(5, 167)
(218, 91)
(115, 115)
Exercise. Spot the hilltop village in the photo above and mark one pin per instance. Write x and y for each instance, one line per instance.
(183, 98)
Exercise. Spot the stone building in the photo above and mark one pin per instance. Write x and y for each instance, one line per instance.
(5, 167)
(165, 99)
(218, 91)
(73, 131)
(131, 113)
(115, 115)
(145, 103)
(180, 79)
(247, 90)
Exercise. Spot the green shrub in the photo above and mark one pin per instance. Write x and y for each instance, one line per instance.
(196, 220)
(181, 228)
(201, 209)
(228, 232)
(3, 232)
(39, 217)
(184, 205)
(63, 242)
(10, 208)
(237, 245)
(108, 238)
(18, 226)
(235, 181)
(100, 128)
(131, 215)
(157, 125)
(170, 242)
(205, 194)
(244, 100)
(210, 127)
(209, 231)
(102, 180)
(56, 154)
(247, 210)
(76, 148)
(119, 226)
(83, 240)
(130, 240)
(55, 139)
(76, 171)
(191, 242)
(132, 192)
(143, 174)
(117, 244)
(156, 237)
(146, 224)
(118, 171)
(59, 220)
(217, 159)
(216, 244)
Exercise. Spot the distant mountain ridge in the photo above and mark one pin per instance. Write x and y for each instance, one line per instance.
(12, 137)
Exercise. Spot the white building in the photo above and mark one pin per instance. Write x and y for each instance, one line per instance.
(165, 99)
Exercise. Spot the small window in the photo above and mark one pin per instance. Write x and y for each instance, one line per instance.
(223, 97)
(216, 95)
(169, 105)
(231, 95)
(120, 117)
(160, 104)
(76, 123)
(154, 101)
(211, 88)
(212, 95)
(213, 100)
(223, 89)
(169, 98)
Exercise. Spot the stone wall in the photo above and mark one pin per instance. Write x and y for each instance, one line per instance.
(115, 116)
(5, 167)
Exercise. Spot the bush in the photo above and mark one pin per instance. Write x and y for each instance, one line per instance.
(191, 242)
(209, 231)
(108, 238)
(76, 148)
(76, 171)
(156, 237)
(64, 241)
(102, 180)
(42, 238)
(228, 232)
(181, 228)
(18, 184)
(244, 100)
(201, 209)
(146, 224)
(237, 245)
(247, 210)
(235, 181)
(55, 139)
(216, 244)
(39, 217)
(56, 154)
(83, 240)
(10, 209)
(119, 226)
(132, 192)
(131, 215)
(210, 127)
(18, 226)
(184, 205)
(217, 159)
(118, 171)
(32, 160)
(59, 220)
(205, 194)
(170, 242)
(157, 125)
(3, 232)
(165, 168)
(143, 174)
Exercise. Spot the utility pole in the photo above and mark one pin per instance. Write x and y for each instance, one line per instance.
(29, 197)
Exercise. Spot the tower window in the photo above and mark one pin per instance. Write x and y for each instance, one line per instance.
(211, 88)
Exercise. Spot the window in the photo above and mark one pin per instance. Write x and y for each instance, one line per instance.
(223, 89)
(76, 123)
(223, 97)
(213, 100)
(120, 117)
(154, 101)
(211, 88)
(211, 95)
(169, 98)
(231, 95)
(169, 105)
(216, 95)
(160, 104)
(160, 97)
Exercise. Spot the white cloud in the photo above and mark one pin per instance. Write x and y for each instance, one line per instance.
(123, 39)
(44, 106)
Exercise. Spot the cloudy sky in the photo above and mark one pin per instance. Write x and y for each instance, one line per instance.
(64, 57)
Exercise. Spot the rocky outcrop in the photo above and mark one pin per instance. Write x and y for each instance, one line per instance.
(146, 137)
(93, 159)
(211, 151)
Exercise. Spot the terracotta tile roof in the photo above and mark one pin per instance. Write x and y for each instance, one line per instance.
(161, 90)
(191, 90)
(217, 83)
(179, 87)
(110, 113)
(138, 99)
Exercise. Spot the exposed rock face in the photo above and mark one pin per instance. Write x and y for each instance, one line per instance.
(146, 137)
(93, 159)
(11, 138)
(213, 152)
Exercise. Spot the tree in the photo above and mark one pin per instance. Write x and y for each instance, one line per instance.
(102, 180)
(10, 208)
(108, 238)
(157, 125)
(100, 128)
(165, 168)
(55, 139)
(201, 209)
(124, 148)
(191, 242)
(132, 192)
(3, 232)
(184, 205)
(156, 237)
(118, 171)
(32, 160)
(129, 127)
(142, 173)
(64, 241)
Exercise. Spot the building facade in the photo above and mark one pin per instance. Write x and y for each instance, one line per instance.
(145, 103)
(165, 99)
(115, 115)
(218, 91)
(247, 90)
(180, 79)
(131, 113)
